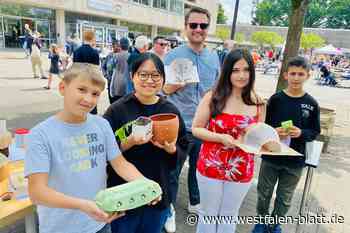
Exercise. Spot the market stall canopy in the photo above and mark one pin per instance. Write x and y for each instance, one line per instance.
(329, 49)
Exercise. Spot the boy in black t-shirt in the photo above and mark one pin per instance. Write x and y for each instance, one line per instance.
(296, 105)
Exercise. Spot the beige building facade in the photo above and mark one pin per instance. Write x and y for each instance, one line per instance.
(57, 20)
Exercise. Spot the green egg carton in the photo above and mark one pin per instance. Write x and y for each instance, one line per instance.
(286, 125)
(128, 196)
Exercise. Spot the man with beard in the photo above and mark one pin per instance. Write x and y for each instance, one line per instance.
(186, 97)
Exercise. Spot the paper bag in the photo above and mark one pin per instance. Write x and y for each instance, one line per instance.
(313, 152)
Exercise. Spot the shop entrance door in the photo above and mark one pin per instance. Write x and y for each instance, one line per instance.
(105, 33)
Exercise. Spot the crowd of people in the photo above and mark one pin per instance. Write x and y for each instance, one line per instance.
(74, 154)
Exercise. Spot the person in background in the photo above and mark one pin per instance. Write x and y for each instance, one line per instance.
(160, 46)
(141, 46)
(227, 47)
(118, 82)
(54, 64)
(35, 56)
(28, 40)
(108, 66)
(86, 53)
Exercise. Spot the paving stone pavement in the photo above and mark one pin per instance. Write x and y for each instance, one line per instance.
(24, 103)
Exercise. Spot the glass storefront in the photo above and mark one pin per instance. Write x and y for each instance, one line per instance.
(137, 29)
(106, 32)
(13, 17)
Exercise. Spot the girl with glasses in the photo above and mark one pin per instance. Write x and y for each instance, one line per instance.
(154, 161)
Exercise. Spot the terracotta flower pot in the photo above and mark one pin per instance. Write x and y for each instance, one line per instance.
(165, 127)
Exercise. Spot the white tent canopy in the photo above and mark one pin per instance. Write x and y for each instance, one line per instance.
(329, 49)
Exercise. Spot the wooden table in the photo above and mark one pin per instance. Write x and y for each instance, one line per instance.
(13, 210)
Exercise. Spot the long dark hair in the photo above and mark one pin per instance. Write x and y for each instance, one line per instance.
(223, 88)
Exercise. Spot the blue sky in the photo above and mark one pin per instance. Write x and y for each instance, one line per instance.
(244, 10)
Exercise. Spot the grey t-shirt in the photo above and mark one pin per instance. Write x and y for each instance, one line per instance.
(75, 158)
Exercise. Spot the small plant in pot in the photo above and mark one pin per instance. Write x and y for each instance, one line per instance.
(142, 127)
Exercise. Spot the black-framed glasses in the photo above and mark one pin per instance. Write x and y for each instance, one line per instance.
(144, 76)
(202, 26)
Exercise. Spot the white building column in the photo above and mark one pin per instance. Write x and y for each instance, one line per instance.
(154, 32)
(60, 27)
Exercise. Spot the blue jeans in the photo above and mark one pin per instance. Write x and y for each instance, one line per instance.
(194, 146)
(147, 220)
(105, 229)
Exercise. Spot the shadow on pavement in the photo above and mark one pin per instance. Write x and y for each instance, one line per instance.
(28, 120)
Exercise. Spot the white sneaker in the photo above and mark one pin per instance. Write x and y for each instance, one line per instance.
(170, 224)
(194, 209)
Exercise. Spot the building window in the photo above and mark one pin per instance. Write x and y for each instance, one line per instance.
(162, 4)
(144, 2)
(71, 17)
(177, 6)
(137, 29)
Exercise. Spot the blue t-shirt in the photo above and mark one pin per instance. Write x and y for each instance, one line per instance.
(75, 158)
(188, 98)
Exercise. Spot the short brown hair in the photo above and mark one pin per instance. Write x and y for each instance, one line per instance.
(89, 35)
(87, 71)
(197, 10)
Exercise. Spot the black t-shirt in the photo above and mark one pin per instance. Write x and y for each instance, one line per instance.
(325, 71)
(153, 162)
(305, 114)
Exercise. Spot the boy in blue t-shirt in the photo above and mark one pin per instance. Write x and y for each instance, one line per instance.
(67, 157)
(303, 113)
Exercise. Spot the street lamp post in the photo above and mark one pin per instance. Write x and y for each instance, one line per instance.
(233, 28)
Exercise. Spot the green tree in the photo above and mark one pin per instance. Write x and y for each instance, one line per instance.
(311, 40)
(320, 13)
(338, 15)
(272, 13)
(266, 38)
(239, 37)
(221, 17)
(222, 32)
(296, 22)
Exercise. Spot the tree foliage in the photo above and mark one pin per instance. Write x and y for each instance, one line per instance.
(311, 40)
(295, 28)
(320, 13)
(222, 32)
(267, 38)
(239, 37)
(221, 17)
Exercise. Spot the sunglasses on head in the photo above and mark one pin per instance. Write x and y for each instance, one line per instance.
(202, 26)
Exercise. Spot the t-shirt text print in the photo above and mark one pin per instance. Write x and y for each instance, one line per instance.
(81, 151)
(306, 110)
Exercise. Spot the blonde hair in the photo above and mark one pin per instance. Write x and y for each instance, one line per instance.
(54, 48)
(89, 35)
(86, 71)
